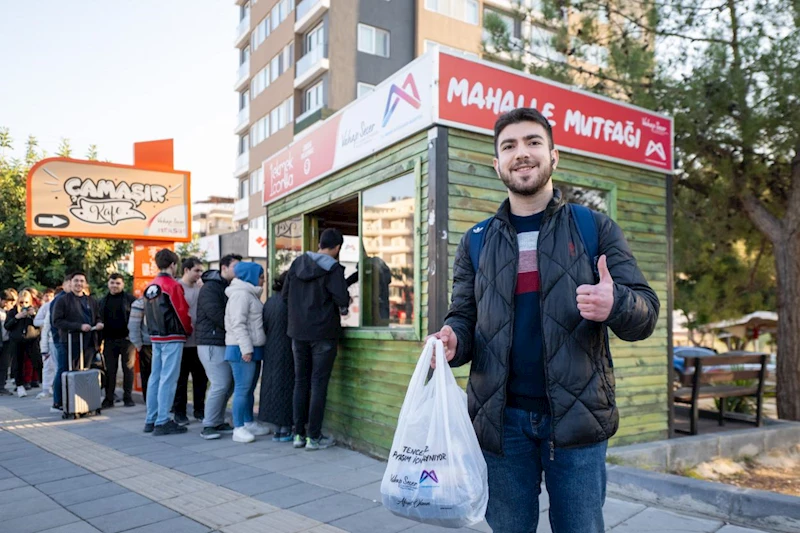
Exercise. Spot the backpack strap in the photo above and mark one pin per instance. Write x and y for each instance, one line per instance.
(587, 229)
(476, 241)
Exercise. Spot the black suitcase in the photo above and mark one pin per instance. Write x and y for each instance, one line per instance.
(82, 389)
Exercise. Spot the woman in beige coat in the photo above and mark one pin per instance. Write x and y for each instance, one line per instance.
(244, 346)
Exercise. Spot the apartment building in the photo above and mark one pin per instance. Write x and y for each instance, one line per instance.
(301, 61)
(212, 216)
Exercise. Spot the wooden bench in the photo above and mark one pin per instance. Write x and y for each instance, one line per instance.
(700, 384)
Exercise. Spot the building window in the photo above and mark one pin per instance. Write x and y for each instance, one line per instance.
(372, 40)
(244, 144)
(261, 32)
(312, 100)
(466, 10)
(363, 88)
(387, 280)
(513, 26)
(280, 12)
(244, 10)
(543, 44)
(244, 55)
(315, 39)
(260, 130)
(432, 45)
(244, 189)
(244, 99)
(260, 81)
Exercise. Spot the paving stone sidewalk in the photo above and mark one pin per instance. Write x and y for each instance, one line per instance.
(102, 474)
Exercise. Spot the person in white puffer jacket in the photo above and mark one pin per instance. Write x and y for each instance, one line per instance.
(47, 346)
(244, 346)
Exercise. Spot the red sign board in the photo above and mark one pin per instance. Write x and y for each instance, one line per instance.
(473, 94)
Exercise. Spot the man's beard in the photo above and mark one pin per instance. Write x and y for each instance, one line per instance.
(532, 187)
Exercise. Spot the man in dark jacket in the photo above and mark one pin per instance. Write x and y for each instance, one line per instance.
(533, 320)
(115, 310)
(75, 316)
(316, 294)
(210, 338)
(169, 323)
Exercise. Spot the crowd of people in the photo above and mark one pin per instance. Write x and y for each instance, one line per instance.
(211, 325)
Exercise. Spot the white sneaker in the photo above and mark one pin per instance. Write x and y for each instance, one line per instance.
(43, 394)
(257, 428)
(242, 435)
(21, 392)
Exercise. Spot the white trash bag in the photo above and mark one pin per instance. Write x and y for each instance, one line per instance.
(436, 472)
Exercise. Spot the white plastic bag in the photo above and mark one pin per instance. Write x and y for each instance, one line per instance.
(436, 472)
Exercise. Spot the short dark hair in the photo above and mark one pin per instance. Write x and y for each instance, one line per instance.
(77, 273)
(189, 263)
(8, 295)
(228, 259)
(330, 238)
(277, 283)
(116, 275)
(165, 258)
(49, 291)
(67, 277)
(521, 114)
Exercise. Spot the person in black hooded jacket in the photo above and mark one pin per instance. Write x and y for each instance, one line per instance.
(210, 338)
(533, 321)
(316, 294)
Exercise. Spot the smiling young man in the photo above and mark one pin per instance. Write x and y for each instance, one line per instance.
(115, 310)
(532, 318)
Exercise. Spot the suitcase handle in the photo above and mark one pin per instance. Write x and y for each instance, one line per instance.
(69, 344)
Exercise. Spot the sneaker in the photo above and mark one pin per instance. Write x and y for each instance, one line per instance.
(56, 409)
(181, 420)
(299, 441)
(169, 428)
(199, 415)
(4, 392)
(28, 386)
(43, 394)
(148, 427)
(107, 404)
(129, 403)
(21, 391)
(257, 428)
(242, 435)
(282, 436)
(225, 429)
(210, 433)
(35, 384)
(319, 444)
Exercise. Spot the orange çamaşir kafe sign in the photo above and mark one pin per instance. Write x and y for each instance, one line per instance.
(75, 198)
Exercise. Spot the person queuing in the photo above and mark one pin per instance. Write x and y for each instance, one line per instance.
(115, 310)
(140, 337)
(211, 345)
(7, 303)
(277, 376)
(23, 338)
(244, 346)
(76, 316)
(47, 346)
(167, 315)
(316, 295)
(190, 363)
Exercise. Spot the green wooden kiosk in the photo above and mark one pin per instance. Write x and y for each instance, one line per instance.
(404, 171)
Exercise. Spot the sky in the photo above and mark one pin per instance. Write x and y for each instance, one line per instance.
(113, 73)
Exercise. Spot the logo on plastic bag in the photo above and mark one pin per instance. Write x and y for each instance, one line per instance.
(429, 476)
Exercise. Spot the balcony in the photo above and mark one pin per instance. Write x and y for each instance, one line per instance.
(310, 66)
(309, 118)
(242, 120)
(241, 209)
(242, 75)
(308, 12)
(242, 165)
(242, 30)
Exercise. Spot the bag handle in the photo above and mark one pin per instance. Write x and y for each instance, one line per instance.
(417, 379)
(442, 373)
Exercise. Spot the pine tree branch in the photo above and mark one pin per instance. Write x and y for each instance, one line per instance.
(664, 33)
(765, 221)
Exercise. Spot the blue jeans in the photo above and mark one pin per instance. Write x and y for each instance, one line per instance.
(166, 366)
(575, 479)
(244, 385)
(61, 367)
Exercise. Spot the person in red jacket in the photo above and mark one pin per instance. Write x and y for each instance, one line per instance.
(167, 315)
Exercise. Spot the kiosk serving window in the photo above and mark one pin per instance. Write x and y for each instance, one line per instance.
(387, 254)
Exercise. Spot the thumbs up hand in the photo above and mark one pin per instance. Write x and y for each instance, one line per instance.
(595, 301)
